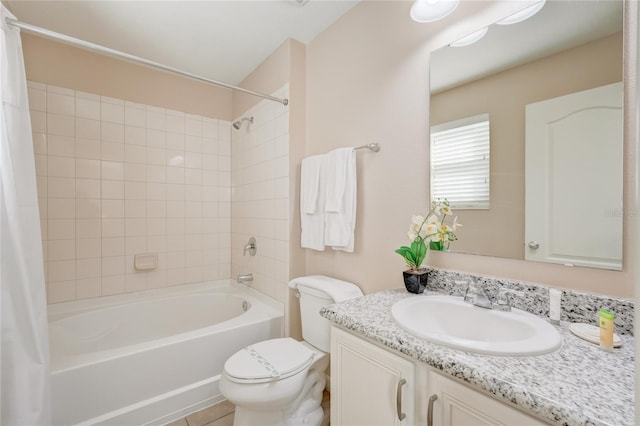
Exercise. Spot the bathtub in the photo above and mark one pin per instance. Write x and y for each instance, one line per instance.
(151, 357)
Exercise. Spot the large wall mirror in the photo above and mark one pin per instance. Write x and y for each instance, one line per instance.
(551, 87)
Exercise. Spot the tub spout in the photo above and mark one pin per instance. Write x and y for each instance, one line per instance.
(245, 278)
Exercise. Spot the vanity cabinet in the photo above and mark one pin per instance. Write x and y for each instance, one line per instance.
(372, 385)
(369, 385)
(458, 405)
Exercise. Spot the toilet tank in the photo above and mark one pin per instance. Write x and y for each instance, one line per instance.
(315, 292)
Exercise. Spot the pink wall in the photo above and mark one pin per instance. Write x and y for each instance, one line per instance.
(368, 82)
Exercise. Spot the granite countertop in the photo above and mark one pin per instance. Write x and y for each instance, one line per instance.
(579, 384)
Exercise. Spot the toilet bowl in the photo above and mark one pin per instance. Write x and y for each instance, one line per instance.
(271, 392)
(280, 382)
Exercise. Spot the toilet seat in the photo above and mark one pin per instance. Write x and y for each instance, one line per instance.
(268, 361)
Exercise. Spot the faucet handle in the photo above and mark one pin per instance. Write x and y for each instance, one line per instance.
(250, 247)
(503, 300)
(470, 292)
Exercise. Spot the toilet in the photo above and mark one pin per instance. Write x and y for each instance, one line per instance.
(279, 382)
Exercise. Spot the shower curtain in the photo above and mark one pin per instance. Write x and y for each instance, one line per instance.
(24, 354)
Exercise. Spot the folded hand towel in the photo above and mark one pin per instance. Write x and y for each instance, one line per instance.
(339, 177)
(312, 203)
(310, 183)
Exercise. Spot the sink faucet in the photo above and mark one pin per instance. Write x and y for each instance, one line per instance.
(503, 301)
(477, 296)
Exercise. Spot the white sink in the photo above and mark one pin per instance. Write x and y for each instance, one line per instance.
(448, 321)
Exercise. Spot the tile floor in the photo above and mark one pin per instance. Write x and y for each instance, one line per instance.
(221, 414)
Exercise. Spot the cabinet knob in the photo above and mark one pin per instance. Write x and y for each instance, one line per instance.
(534, 245)
(401, 415)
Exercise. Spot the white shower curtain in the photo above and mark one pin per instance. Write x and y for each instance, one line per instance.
(24, 354)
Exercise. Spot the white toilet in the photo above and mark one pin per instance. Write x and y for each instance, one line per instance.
(280, 381)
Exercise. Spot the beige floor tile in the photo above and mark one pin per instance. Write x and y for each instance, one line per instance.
(181, 422)
(224, 421)
(210, 414)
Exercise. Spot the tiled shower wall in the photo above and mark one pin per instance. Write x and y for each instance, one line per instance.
(116, 179)
(260, 206)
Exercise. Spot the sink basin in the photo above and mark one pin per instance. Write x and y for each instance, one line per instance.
(448, 321)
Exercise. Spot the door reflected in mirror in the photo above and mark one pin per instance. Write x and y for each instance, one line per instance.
(569, 207)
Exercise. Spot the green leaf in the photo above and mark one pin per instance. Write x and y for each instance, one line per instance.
(419, 249)
(408, 254)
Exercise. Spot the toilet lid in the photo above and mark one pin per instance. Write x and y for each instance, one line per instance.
(268, 361)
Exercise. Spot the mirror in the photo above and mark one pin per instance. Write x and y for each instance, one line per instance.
(552, 197)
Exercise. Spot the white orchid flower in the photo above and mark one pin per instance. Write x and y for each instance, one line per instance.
(433, 220)
(417, 220)
(447, 210)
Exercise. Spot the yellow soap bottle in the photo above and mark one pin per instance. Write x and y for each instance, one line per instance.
(606, 329)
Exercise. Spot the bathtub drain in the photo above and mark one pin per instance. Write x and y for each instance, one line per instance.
(245, 306)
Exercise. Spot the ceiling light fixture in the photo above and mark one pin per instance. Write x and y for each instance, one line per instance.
(522, 15)
(471, 38)
(432, 10)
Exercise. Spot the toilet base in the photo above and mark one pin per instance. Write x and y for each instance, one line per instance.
(304, 410)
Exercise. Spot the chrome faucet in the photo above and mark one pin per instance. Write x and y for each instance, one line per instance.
(503, 301)
(477, 296)
(246, 278)
(250, 247)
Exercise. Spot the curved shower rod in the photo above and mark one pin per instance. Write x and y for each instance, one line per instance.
(132, 58)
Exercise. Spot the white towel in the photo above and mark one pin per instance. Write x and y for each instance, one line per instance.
(338, 290)
(339, 177)
(312, 203)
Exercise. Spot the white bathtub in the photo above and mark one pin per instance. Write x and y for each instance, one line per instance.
(151, 357)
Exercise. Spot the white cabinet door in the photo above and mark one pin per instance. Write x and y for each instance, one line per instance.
(573, 212)
(369, 385)
(459, 405)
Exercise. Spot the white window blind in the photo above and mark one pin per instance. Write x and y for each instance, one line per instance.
(460, 162)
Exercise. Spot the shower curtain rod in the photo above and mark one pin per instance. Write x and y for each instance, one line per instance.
(131, 58)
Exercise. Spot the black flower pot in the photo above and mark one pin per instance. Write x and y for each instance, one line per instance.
(415, 281)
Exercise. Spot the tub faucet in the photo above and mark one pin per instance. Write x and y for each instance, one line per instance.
(245, 278)
(250, 247)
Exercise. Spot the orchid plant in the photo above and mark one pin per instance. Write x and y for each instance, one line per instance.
(432, 228)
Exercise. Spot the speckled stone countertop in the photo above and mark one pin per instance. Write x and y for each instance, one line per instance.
(579, 384)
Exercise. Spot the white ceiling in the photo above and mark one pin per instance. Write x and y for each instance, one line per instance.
(222, 40)
(560, 25)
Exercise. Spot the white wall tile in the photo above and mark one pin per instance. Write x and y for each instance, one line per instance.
(88, 288)
(87, 148)
(112, 151)
(135, 135)
(112, 228)
(135, 172)
(88, 268)
(87, 248)
(87, 108)
(117, 178)
(134, 116)
(112, 190)
(61, 146)
(112, 170)
(87, 128)
(113, 247)
(61, 167)
(113, 285)
(61, 187)
(60, 104)
(61, 291)
(112, 209)
(113, 266)
(112, 113)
